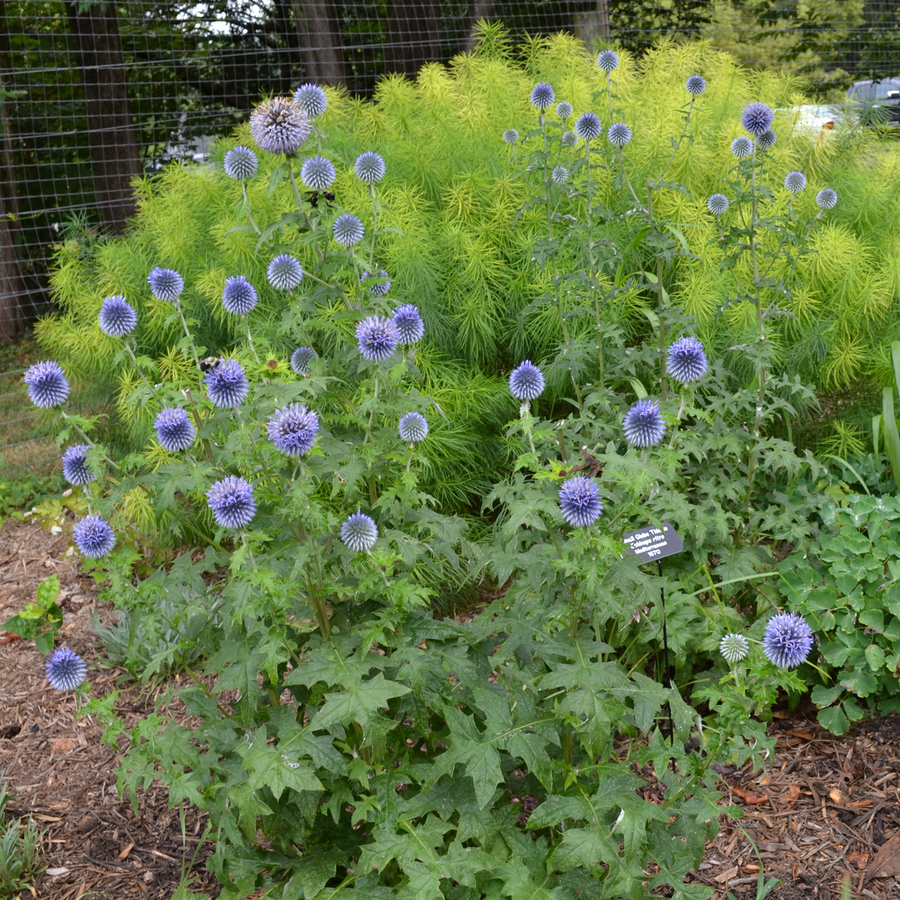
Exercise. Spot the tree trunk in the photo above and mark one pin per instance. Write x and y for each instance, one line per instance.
(114, 147)
(413, 35)
(320, 36)
(12, 289)
(478, 9)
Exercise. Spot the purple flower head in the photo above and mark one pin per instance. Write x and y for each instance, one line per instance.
(788, 640)
(695, 85)
(579, 500)
(226, 384)
(377, 338)
(279, 125)
(559, 175)
(293, 429)
(284, 272)
(734, 647)
(526, 381)
(643, 424)
(413, 427)
(608, 60)
(74, 465)
(165, 284)
(174, 429)
(301, 358)
(369, 167)
(348, 230)
(757, 118)
(359, 532)
(542, 96)
(117, 317)
(231, 501)
(795, 182)
(409, 324)
(563, 109)
(767, 140)
(510, 136)
(240, 163)
(717, 204)
(94, 537)
(827, 198)
(742, 147)
(47, 385)
(317, 173)
(687, 361)
(588, 126)
(239, 296)
(569, 139)
(380, 285)
(619, 134)
(311, 99)
(65, 670)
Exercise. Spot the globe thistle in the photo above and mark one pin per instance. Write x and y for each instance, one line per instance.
(369, 167)
(795, 182)
(231, 501)
(559, 175)
(687, 361)
(174, 430)
(409, 324)
(47, 385)
(293, 429)
(317, 173)
(239, 296)
(643, 424)
(826, 198)
(742, 147)
(311, 99)
(787, 640)
(65, 670)
(579, 501)
(695, 85)
(279, 125)
(510, 136)
(413, 427)
(526, 381)
(608, 60)
(717, 204)
(377, 338)
(301, 358)
(94, 537)
(74, 465)
(117, 317)
(226, 384)
(757, 118)
(348, 230)
(284, 272)
(359, 532)
(381, 284)
(564, 109)
(569, 139)
(241, 163)
(734, 647)
(588, 127)
(619, 134)
(767, 140)
(165, 284)
(542, 96)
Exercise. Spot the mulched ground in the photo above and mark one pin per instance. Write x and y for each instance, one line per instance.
(827, 810)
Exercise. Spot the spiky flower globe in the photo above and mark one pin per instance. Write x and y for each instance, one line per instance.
(409, 324)
(174, 429)
(47, 385)
(279, 125)
(742, 147)
(827, 198)
(117, 317)
(284, 272)
(687, 361)
(301, 358)
(348, 230)
(588, 126)
(231, 501)
(165, 284)
(569, 139)
(757, 118)
(377, 338)
(359, 532)
(74, 465)
(65, 669)
(563, 109)
(795, 182)
(94, 537)
(311, 99)
(767, 140)
(579, 501)
(717, 204)
(239, 296)
(226, 384)
(240, 163)
(542, 96)
(608, 60)
(695, 85)
(413, 427)
(787, 640)
(510, 136)
(559, 175)
(317, 173)
(643, 424)
(734, 648)
(369, 167)
(380, 283)
(526, 381)
(293, 429)
(619, 134)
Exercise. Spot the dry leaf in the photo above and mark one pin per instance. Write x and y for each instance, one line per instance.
(750, 797)
(126, 851)
(793, 792)
(858, 859)
(887, 860)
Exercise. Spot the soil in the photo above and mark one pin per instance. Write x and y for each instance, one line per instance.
(825, 814)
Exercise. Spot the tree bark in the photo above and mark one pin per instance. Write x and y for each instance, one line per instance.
(114, 147)
(478, 9)
(413, 35)
(320, 36)
(12, 288)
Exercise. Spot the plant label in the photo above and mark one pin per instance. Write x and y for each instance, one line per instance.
(651, 543)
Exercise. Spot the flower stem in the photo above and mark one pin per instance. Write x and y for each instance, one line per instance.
(247, 204)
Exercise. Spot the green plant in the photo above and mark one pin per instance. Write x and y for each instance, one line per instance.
(21, 851)
(39, 621)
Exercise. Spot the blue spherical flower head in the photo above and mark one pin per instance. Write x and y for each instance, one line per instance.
(767, 140)
(369, 167)
(226, 384)
(643, 424)
(117, 317)
(563, 109)
(231, 501)
(409, 324)
(174, 429)
(619, 134)
(284, 272)
(65, 670)
(377, 338)
(742, 147)
(47, 385)
(311, 99)
(239, 296)
(687, 361)
(788, 640)
(348, 230)
(240, 163)
(559, 175)
(717, 204)
(413, 427)
(359, 532)
(279, 125)
(579, 500)
(827, 198)
(74, 465)
(94, 537)
(293, 429)
(526, 381)
(380, 283)
(757, 118)
(608, 61)
(301, 358)
(795, 182)
(510, 136)
(569, 139)
(165, 284)
(588, 127)
(542, 96)
(734, 648)
(317, 173)
(695, 85)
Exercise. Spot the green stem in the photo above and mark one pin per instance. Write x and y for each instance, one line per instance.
(88, 441)
(660, 300)
(187, 333)
(250, 338)
(374, 226)
(247, 204)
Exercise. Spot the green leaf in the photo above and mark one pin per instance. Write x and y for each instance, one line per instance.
(47, 592)
(586, 847)
(833, 719)
(358, 702)
(268, 767)
(891, 437)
